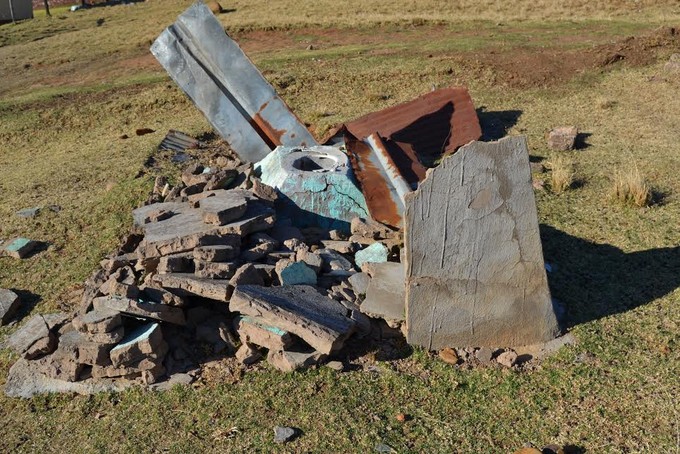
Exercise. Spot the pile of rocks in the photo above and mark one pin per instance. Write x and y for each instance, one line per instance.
(209, 270)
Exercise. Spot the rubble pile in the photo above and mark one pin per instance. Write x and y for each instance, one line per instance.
(210, 264)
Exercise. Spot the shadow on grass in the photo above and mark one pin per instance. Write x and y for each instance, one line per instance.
(495, 124)
(597, 280)
(27, 302)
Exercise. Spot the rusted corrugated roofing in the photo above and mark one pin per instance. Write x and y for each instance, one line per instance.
(392, 148)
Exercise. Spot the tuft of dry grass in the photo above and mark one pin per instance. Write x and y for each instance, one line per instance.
(631, 187)
(562, 174)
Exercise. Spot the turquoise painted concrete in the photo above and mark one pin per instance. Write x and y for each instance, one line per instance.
(17, 244)
(375, 253)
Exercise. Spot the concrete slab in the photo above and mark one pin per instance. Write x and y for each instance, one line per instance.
(386, 292)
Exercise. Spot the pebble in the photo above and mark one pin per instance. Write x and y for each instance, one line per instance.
(284, 434)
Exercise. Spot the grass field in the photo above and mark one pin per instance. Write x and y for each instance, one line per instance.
(71, 85)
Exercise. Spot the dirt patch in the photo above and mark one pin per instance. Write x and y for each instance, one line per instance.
(532, 67)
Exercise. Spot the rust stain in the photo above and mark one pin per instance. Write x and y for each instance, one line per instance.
(269, 134)
(376, 191)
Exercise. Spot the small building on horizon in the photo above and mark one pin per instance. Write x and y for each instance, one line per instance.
(20, 9)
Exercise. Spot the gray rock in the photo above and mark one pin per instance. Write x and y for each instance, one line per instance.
(359, 282)
(562, 138)
(385, 296)
(484, 354)
(98, 321)
(311, 259)
(26, 379)
(299, 309)
(224, 208)
(216, 253)
(176, 263)
(295, 273)
(33, 339)
(507, 358)
(294, 359)
(188, 284)
(143, 342)
(28, 212)
(145, 309)
(247, 275)
(486, 284)
(215, 270)
(333, 260)
(284, 434)
(9, 304)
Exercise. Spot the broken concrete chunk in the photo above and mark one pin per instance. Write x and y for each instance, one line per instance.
(98, 321)
(221, 179)
(318, 184)
(233, 95)
(217, 253)
(215, 270)
(507, 358)
(368, 228)
(562, 138)
(9, 304)
(145, 341)
(248, 354)
(247, 274)
(257, 252)
(295, 273)
(284, 434)
(343, 247)
(33, 339)
(224, 208)
(28, 212)
(291, 360)
(486, 284)
(188, 284)
(159, 215)
(19, 248)
(375, 253)
(359, 282)
(176, 263)
(253, 331)
(333, 260)
(299, 309)
(145, 309)
(264, 192)
(311, 259)
(385, 296)
(274, 257)
(84, 350)
(160, 295)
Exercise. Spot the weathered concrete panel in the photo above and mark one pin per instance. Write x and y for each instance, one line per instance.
(475, 270)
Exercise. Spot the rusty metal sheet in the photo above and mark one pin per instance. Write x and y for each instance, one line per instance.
(224, 84)
(423, 130)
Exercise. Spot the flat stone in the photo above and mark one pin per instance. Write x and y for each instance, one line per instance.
(215, 270)
(176, 263)
(343, 247)
(189, 284)
(9, 304)
(385, 295)
(28, 212)
(145, 341)
(253, 331)
(485, 284)
(87, 352)
(246, 274)
(295, 273)
(311, 259)
(26, 379)
(484, 354)
(359, 282)
(98, 321)
(274, 257)
(299, 309)
(562, 138)
(291, 360)
(368, 228)
(333, 260)
(217, 253)
(155, 293)
(248, 354)
(145, 309)
(375, 253)
(257, 252)
(223, 208)
(284, 434)
(33, 339)
(186, 230)
(19, 248)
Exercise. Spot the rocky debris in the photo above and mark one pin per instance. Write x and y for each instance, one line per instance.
(295, 273)
(252, 331)
(336, 366)
(247, 274)
(562, 138)
(191, 285)
(9, 304)
(484, 354)
(248, 354)
(33, 339)
(449, 355)
(215, 270)
(375, 253)
(385, 294)
(507, 358)
(19, 248)
(216, 253)
(359, 282)
(144, 343)
(284, 434)
(299, 309)
(224, 208)
(145, 309)
(294, 358)
(484, 284)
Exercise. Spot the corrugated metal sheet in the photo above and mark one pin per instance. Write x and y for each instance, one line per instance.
(391, 149)
(178, 141)
(224, 84)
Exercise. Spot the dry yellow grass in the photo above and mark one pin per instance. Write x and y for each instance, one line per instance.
(631, 187)
(561, 173)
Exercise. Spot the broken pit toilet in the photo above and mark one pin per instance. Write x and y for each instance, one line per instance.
(475, 270)
(316, 184)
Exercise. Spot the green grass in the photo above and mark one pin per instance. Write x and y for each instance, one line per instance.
(60, 125)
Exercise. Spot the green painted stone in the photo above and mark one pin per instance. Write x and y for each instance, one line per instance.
(375, 253)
